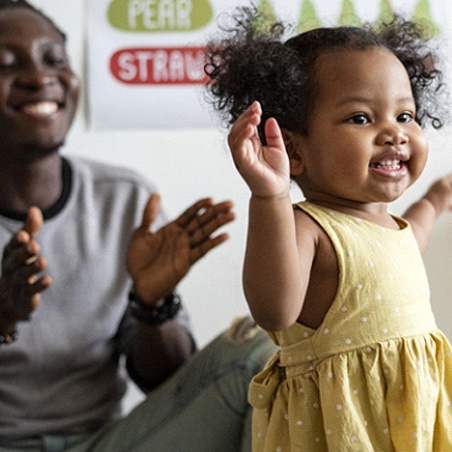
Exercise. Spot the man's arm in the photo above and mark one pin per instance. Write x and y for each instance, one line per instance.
(157, 352)
(156, 262)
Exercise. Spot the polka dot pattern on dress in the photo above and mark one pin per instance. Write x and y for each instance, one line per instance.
(355, 358)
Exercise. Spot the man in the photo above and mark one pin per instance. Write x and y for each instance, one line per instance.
(72, 253)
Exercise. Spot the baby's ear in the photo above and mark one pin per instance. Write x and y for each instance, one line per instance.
(293, 148)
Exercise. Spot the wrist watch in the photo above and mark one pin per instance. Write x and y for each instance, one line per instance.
(152, 315)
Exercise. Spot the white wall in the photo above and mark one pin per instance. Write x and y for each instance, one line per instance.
(190, 164)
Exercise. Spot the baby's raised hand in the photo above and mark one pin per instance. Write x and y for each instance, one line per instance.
(265, 169)
(440, 194)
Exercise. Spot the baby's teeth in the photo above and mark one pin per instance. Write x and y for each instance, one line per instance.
(391, 163)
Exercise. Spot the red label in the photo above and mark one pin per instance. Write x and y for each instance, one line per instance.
(159, 66)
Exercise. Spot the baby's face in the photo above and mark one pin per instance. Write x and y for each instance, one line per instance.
(363, 143)
(38, 90)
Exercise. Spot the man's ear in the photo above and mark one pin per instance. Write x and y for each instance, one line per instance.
(293, 148)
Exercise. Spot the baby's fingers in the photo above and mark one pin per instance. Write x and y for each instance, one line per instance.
(252, 115)
(245, 128)
(273, 135)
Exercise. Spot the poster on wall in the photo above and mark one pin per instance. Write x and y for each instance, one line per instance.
(146, 57)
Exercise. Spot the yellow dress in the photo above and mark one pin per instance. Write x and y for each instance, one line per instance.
(377, 374)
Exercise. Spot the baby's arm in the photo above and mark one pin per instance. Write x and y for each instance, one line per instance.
(423, 214)
(271, 275)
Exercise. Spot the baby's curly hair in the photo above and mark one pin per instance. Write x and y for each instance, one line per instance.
(250, 64)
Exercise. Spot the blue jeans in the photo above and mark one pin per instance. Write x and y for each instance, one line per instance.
(202, 408)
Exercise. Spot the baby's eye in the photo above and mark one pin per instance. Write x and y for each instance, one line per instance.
(359, 119)
(405, 117)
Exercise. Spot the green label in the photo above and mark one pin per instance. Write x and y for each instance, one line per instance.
(159, 15)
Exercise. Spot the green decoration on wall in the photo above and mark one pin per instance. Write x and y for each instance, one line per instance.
(159, 16)
(422, 14)
(386, 11)
(308, 19)
(348, 15)
(267, 16)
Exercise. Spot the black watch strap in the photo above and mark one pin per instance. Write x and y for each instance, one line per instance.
(155, 316)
